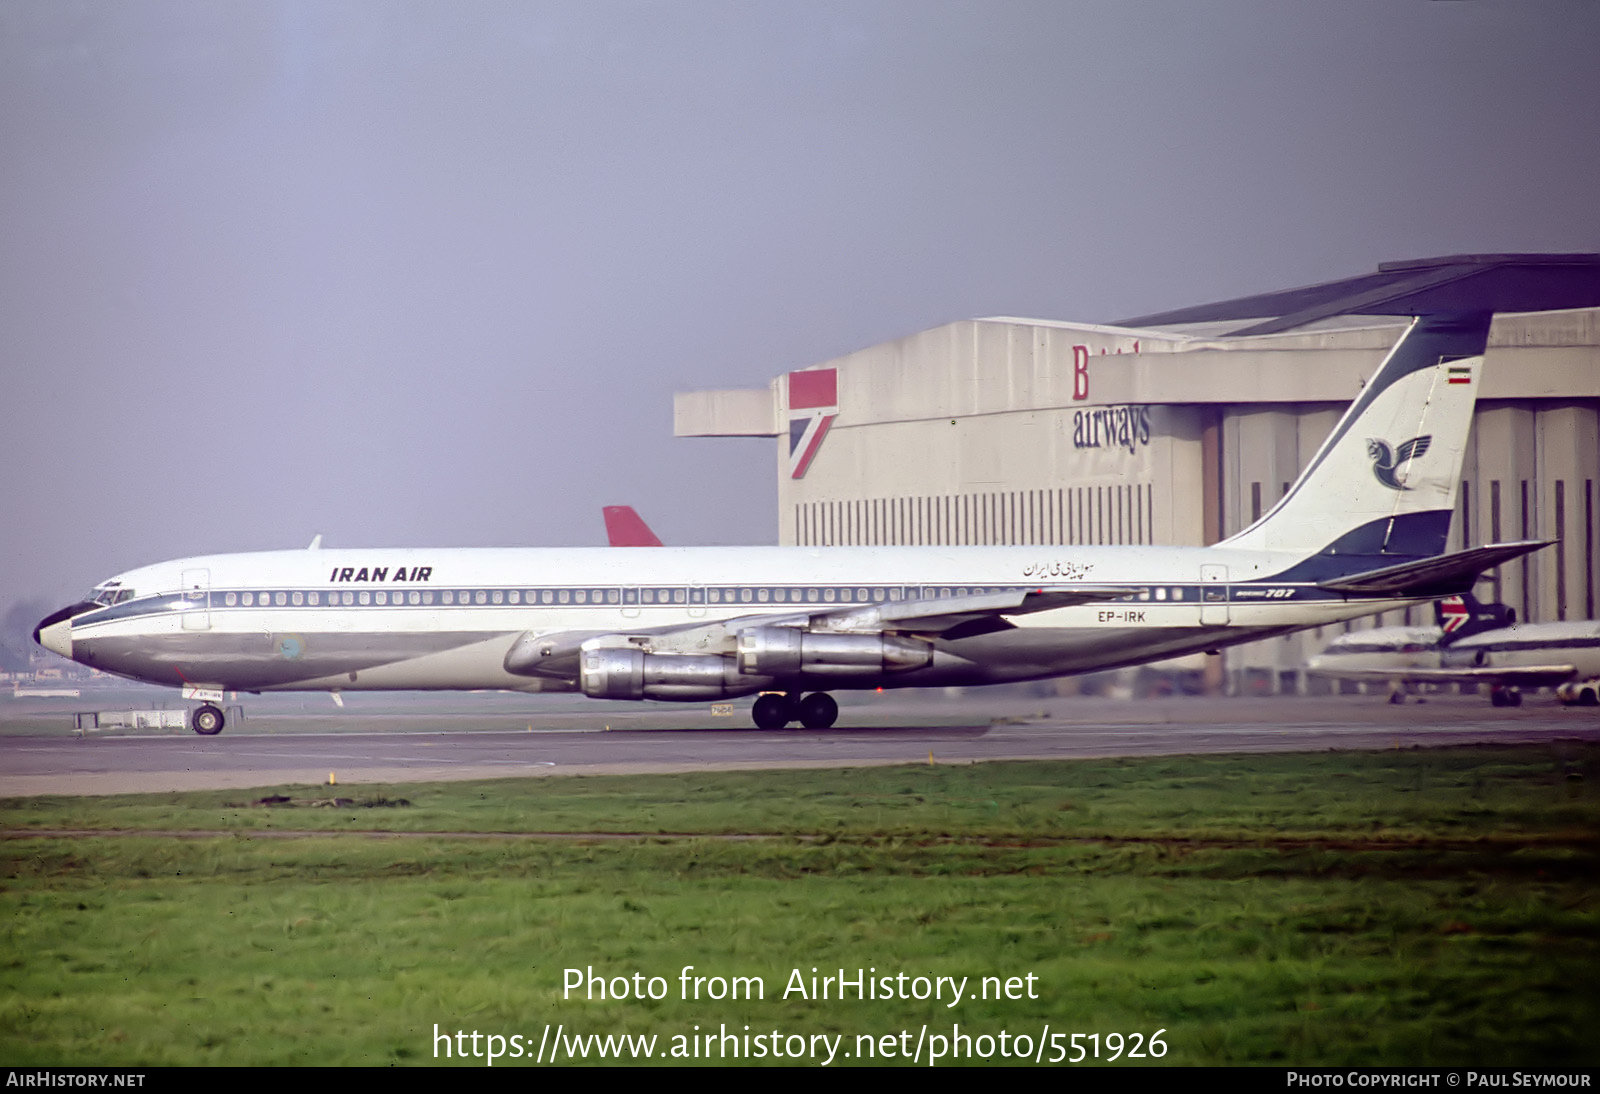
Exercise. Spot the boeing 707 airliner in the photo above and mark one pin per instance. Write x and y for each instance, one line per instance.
(1362, 530)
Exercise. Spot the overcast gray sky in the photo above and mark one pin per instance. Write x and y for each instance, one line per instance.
(429, 273)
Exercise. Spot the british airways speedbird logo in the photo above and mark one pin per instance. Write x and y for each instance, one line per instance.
(1386, 462)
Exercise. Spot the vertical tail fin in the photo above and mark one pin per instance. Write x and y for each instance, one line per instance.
(625, 528)
(1460, 616)
(1384, 482)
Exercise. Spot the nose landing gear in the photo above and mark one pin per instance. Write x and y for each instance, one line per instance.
(207, 720)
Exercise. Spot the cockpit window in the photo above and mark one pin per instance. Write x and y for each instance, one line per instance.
(109, 594)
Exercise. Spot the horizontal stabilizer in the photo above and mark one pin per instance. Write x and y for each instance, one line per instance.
(1442, 575)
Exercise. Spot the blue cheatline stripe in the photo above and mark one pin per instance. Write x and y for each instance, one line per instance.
(1277, 589)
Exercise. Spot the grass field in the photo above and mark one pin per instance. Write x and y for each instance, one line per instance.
(1416, 907)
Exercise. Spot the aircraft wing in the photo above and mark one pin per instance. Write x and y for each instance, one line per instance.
(938, 615)
(1442, 575)
(556, 654)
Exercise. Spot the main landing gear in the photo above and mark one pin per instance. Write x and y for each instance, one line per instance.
(207, 720)
(1501, 696)
(815, 711)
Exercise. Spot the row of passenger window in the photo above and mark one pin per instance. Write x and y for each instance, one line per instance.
(631, 596)
(628, 596)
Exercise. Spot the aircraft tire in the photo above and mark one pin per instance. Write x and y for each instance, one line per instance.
(1513, 697)
(207, 721)
(818, 711)
(772, 711)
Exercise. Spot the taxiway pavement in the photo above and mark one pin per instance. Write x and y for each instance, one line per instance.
(271, 753)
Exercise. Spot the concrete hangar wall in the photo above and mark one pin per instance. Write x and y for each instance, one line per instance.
(1024, 431)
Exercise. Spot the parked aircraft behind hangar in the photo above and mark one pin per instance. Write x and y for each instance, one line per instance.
(1473, 643)
(1361, 531)
(626, 528)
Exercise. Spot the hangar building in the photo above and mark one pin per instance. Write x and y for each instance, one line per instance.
(1184, 427)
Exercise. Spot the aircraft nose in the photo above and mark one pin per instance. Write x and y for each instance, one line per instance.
(54, 631)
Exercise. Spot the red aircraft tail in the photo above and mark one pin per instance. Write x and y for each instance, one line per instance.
(625, 528)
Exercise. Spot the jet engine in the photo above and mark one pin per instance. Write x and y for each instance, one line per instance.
(789, 651)
(613, 673)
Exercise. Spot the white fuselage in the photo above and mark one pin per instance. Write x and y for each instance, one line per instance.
(447, 618)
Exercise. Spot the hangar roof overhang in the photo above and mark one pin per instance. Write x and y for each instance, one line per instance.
(1424, 286)
(1349, 322)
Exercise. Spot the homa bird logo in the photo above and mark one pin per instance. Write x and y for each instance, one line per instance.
(813, 405)
(1386, 462)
